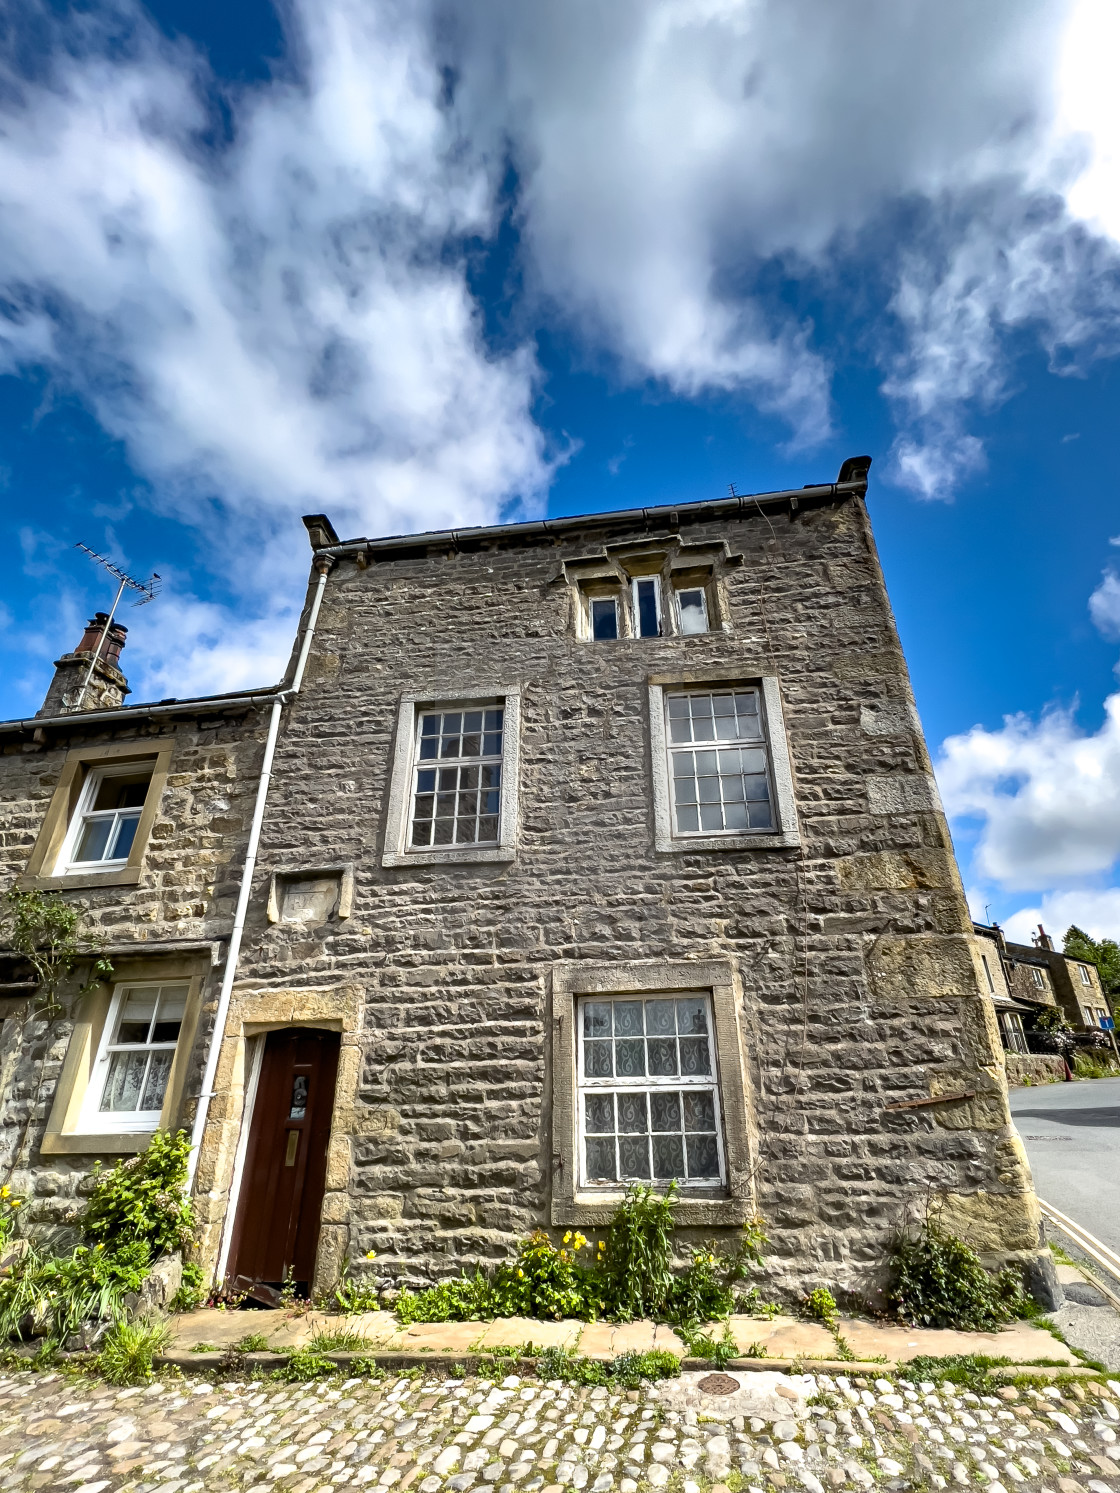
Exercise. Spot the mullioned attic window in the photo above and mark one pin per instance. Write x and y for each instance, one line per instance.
(649, 1103)
(456, 796)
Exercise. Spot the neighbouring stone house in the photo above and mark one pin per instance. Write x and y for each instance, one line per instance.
(592, 849)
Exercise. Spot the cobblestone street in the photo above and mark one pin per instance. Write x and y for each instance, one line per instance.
(450, 1436)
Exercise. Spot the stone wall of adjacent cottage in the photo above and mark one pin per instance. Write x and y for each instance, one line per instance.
(861, 987)
(186, 894)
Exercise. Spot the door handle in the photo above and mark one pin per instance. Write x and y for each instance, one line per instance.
(293, 1146)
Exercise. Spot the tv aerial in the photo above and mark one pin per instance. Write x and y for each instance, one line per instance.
(148, 590)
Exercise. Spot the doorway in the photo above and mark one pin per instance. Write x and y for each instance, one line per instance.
(276, 1232)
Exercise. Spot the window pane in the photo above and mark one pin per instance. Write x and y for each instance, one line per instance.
(122, 1087)
(600, 1160)
(604, 620)
(649, 625)
(694, 1056)
(122, 841)
(596, 1019)
(155, 1086)
(699, 1111)
(688, 820)
(633, 1156)
(660, 1017)
(597, 1059)
(627, 1018)
(662, 1056)
(692, 1017)
(137, 1011)
(668, 1157)
(703, 1158)
(630, 1058)
(664, 1111)
(693, 612)
(598, 1113)
(126, 791)
(94, 841)
(632, 1117)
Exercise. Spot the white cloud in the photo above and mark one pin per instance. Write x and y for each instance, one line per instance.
(1097, 913)
(1047, 793)
(1104, 605)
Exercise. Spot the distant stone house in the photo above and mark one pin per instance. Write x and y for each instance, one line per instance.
(589, 850)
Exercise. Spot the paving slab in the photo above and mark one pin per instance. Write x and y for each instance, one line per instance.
(516, 1332)
(1020, 1342)
(782, 1337)
(610, 1339)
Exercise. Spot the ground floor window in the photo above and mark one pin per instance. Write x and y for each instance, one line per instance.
(648, 1091)
(130, 1076)
(1011, 1031)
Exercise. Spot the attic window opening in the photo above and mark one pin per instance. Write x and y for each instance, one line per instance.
(647, 607)
(692, 610)
(604, 618)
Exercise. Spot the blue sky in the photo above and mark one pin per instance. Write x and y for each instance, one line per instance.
(416, 265)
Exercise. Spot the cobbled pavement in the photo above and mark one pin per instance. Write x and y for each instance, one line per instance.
(450, 1436)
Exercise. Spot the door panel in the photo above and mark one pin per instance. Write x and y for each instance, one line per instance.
(276, 1233)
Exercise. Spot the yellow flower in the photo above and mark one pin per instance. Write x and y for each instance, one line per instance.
(521, 1275)
(371, 1255)
(602, 1245)
(15, 1202)
(5, 1192)
(568, 1237)
(563, 1254)
(101, 1246)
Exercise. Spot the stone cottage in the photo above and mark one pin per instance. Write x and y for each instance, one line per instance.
(591, 849)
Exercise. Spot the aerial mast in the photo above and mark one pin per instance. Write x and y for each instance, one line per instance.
(148, 589)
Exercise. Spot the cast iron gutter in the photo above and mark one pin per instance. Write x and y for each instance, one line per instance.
(746, 503)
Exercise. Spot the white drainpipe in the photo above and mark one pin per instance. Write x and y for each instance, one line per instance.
(230, 972)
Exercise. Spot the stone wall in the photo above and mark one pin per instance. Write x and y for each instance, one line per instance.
(859, 979)
(184, 900)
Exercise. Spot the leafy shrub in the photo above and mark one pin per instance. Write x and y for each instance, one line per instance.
(141, 1198)
(938, 1281)
(820, 1306)
(129, 1349)
(192, 1293)
(252, 1342)
(630, 1276)
(719, 1351)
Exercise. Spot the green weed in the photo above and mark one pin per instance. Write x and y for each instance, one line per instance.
(129, 1350)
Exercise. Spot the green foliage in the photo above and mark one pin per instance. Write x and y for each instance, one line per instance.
(9, 1214)
(129, 1350)
(356, 1295)
(1085, 1065)
(626, 1372)
(820, 1306)
(192, 1293)
(629, 1277)
(635, 1272)
(61, 1293)
(755, 1350)
(252, 1342)
(366, 1367)
(302, 1364)
(44, 929)
(938, 1281)
(337, 1342)
(141, 1198)
(205, 1348)
(719, 1351)
(1103, 952)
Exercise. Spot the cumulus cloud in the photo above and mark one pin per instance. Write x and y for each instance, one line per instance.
(1096, 912)
(1104, 605)
(263, 292)
(1047, 795)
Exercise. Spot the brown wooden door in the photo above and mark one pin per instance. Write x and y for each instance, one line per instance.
(277, 1229)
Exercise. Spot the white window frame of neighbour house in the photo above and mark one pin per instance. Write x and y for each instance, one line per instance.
(643, 1008)
(1086, 977)
(636, 582)
(784, 830)
(988, 974)
(1011, 1031)
(96, 1120)
(1038, 977)
(407, 763)
(84, 815)
(702, 592)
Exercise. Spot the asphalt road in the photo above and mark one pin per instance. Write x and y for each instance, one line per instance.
(1072, 1135)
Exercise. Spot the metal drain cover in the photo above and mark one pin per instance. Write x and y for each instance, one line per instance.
(718, 1384)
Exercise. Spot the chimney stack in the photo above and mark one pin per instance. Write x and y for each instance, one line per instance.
(107, 685)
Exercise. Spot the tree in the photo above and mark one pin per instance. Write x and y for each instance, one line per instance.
(1104, 953)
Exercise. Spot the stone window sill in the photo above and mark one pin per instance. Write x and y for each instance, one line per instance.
(453, 857)
(597, 1209)
(675, 846)
(81, 880)
(115, 1143)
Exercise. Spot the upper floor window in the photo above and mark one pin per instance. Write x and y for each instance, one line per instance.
(1038, 977)
(692, 610)
(988, 974)
(649, 1096)
(647, 606)
(718, 762)
(132, 1069)
(1086, 977)
(457, 787)
(604, 618)
(106, 819)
